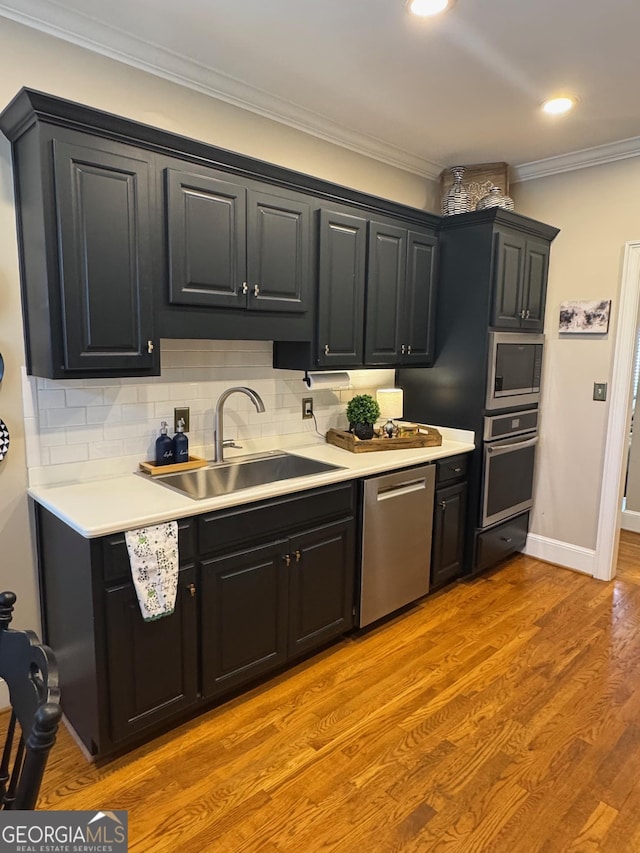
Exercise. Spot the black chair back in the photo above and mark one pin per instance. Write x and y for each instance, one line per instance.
(30, 671)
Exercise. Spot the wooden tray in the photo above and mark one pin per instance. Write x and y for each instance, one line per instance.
(428, 437)
(153, 469)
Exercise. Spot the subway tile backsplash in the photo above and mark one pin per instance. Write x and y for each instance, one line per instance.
(85, 429)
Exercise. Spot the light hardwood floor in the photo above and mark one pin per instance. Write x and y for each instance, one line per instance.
(498, 716)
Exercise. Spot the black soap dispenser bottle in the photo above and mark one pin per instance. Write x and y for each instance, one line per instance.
(164, 446)
(180, 443)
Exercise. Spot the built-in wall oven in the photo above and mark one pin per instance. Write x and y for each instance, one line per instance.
(508, 466)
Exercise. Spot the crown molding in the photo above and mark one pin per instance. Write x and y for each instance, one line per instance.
(583, 159)
(114, 43)
(53, 19)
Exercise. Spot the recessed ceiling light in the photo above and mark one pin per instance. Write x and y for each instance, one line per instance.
(558, 106)
(426, 8)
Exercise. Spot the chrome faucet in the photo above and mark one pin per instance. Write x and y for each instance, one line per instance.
(218, 424)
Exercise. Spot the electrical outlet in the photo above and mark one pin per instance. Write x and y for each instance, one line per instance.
(307, 408)
(181, 413)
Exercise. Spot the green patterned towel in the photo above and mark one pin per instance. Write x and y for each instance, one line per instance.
(153, 554)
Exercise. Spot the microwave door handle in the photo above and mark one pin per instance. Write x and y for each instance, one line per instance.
(499, 449)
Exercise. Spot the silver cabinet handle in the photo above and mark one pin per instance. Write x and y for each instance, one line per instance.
(256, 290)
(298, 555)
(192, 590)
(527, 314)
(402, 349)
(443, 504)
(326, 349)
(409, 349)
(506, 539)
(287, 559)
(149, 347)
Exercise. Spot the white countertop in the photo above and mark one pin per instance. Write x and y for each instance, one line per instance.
(102, 507)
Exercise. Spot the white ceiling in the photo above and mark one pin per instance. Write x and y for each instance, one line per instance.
(421, 94)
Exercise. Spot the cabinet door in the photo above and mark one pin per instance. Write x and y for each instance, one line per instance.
(278, 234)
(152, 666)
(385, 293)
(243, 616)
(321, 579)
(206, 240)
(448, 534)
(103, 219)
(508, 276)
(419, 300)
(534, 294)
(342, 258)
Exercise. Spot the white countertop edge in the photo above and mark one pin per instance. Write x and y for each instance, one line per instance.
(103, 507)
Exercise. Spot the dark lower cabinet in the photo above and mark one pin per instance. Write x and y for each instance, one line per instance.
(450, 514)
(321, 583)
(258, 586)
(152, 666)
(244, 616)
(263, 605)
(448, 534)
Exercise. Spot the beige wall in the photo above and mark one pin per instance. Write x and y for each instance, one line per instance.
(35, 60)
(597, 212)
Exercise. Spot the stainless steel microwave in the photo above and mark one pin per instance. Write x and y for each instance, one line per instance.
(514, 370)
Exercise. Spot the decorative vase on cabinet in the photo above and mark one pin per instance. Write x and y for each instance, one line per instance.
(457, 199)
(495, 198)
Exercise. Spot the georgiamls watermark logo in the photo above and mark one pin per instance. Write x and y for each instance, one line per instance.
(63, 832)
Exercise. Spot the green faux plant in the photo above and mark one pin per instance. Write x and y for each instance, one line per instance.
(362, 409)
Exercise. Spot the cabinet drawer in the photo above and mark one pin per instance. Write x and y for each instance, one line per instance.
(116, 564)
(500, 541)
(255, 522)
(452, 468)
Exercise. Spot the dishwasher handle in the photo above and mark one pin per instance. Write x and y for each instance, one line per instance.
(400, 489)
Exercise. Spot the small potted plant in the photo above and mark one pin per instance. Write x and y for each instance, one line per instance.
(362, 412)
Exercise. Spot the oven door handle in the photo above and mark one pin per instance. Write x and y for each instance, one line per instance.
(498, 449)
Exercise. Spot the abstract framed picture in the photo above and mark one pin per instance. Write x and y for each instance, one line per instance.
(585, 316)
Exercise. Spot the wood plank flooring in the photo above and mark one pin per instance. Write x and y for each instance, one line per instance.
(498, 716)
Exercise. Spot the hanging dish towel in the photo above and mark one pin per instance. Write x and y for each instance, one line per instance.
(153, 554)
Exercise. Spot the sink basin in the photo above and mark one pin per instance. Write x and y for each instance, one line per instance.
(225, 477)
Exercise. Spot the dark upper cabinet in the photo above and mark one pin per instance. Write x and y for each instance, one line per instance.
(84, 227)
(376, 296)
(419, 299)
(152, 666)
(279, 237)
(400, 327)
(206, 240)
(235, 247)
(521, 266)
(341, 283)
(385, 293)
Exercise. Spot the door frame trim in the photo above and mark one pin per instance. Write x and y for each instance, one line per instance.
(618, 423)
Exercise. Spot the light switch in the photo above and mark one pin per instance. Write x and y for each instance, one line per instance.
(600, 391)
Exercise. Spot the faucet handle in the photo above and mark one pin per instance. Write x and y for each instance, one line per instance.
(230, 442)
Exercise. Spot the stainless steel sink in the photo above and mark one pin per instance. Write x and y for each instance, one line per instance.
(225, 477)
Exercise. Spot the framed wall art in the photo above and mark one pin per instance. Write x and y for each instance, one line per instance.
(584, 316)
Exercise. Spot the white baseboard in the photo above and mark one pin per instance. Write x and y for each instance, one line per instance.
(561, 553)
(630, 520)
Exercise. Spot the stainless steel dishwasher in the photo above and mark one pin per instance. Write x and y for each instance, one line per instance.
(397, 525)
